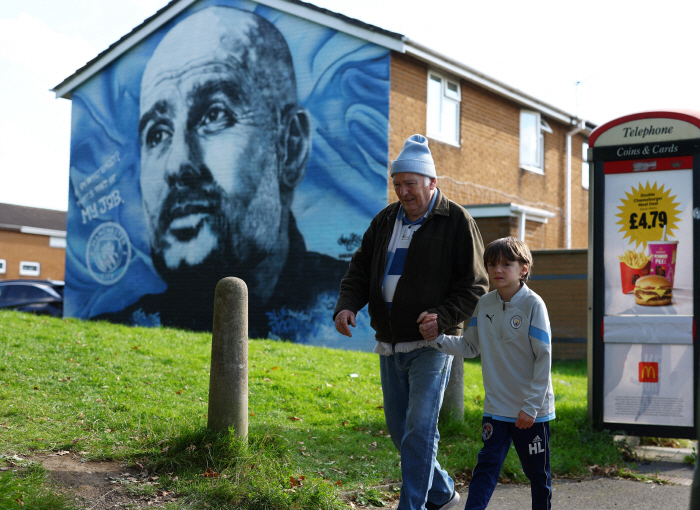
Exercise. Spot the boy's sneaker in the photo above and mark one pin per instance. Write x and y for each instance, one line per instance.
(452, 502)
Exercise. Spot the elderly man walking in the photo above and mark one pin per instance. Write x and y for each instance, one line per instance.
(420, 255)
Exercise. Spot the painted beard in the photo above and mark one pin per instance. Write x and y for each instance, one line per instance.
(191, 227)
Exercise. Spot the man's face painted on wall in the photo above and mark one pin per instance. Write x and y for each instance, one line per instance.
(209, 144)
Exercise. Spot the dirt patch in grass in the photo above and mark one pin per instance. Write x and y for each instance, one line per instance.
(104, 485)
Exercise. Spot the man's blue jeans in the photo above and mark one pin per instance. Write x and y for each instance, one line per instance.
(413, 384)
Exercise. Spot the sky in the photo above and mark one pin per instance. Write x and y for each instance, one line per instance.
(598, 60)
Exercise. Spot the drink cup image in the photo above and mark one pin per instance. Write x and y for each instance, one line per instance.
(663, 258)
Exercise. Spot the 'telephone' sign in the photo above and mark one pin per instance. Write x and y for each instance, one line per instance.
(649, 371)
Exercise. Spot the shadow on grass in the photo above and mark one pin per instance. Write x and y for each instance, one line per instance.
(226, 471)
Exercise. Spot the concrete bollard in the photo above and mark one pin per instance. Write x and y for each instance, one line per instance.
(453, 401)
(228, 382)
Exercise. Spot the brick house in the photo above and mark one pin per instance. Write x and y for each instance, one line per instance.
(32, 243)
(482, 158)
(514, 161)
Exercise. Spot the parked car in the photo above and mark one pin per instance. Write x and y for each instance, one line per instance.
(36, 296)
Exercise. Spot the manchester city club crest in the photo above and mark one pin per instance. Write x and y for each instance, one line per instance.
(108, 253)
(516, 321)
(486, 431)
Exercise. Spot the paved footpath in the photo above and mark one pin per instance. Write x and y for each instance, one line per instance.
(611, 493)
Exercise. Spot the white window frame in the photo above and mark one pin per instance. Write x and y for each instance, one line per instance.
(3, 266)
(450, 97)
(585, 167)
(29, 271)
(536, 165)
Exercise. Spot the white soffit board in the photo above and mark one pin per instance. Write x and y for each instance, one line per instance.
(489, 84)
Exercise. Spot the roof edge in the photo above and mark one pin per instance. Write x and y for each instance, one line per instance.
(457, 68)
(371, 33)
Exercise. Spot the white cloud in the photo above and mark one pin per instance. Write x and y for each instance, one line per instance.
(42, 52)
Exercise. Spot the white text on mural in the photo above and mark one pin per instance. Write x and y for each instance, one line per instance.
(102, 205)
(95, 184)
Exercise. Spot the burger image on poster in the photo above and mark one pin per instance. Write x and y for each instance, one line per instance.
(653, 290)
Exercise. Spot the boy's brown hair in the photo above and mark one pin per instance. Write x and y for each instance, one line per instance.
(512, 249)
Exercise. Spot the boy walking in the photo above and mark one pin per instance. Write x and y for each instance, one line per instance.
(510, 329)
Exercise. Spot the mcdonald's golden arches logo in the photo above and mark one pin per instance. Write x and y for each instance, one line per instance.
(649, 371)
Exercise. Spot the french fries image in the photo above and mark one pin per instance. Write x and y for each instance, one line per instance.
(634, 259)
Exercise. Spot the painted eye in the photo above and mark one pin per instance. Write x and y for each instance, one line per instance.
(216, 118)
(156, 135)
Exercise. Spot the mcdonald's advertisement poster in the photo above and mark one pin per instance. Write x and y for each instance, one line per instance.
(648, 257)
(649, 237)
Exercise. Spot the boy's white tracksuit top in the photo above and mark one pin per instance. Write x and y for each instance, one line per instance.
(514, 340)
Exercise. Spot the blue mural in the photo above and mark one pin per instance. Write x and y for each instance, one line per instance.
(236, 140)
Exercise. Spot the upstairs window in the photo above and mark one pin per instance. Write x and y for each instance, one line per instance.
(585, 169)
(29, 268)
(3, 266)
(532, 127)
(444, 99)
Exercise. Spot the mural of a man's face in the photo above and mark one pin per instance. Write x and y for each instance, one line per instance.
(223, 142)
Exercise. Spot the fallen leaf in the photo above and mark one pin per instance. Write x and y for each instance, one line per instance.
(179, 392)
(265, 379)
(210, 473)
(136, 347)
(294, 418)
(373, 446)
(295, 482)
(275, 368)
(380, 406)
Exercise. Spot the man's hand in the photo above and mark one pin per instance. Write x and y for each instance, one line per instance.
(428, 325)
(525, 421)
(342, 320)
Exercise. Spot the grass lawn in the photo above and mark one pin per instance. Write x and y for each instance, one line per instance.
(316, 421)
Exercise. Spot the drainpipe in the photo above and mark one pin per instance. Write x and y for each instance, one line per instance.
(521, 225)
(522, 211)
(580, 127)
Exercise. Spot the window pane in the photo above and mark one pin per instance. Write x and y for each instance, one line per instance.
(450, 120)
(452, 90)
(529, 139)
(434, 104)
(26, 292)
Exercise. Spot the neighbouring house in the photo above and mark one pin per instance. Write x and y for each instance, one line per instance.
(32, 243)
(253, 139)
